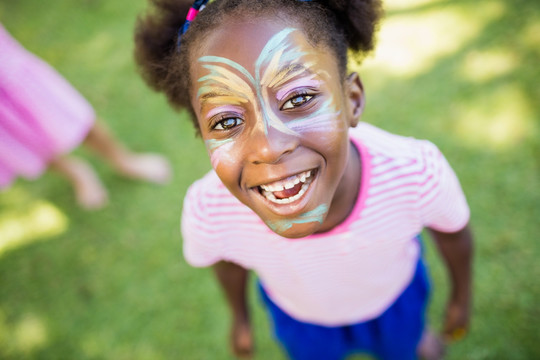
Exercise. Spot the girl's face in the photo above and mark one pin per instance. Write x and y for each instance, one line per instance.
(274, 114)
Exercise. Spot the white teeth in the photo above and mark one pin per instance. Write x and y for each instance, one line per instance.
(288, 183)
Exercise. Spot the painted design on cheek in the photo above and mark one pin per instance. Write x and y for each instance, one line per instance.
(218, 149)
(324, 119)
(213, 144)
(315, 215)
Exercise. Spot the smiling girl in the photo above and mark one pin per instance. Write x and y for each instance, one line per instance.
(324, 209)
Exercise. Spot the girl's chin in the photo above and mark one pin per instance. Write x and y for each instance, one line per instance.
(293, 230)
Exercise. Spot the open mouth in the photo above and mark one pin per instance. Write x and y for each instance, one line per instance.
(287, 190)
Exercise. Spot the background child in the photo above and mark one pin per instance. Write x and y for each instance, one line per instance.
(43, 118)
(327, 217)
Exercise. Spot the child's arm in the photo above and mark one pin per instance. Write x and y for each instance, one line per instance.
(457, 252)
(233, 280)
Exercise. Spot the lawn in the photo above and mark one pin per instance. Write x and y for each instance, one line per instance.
(112, 284)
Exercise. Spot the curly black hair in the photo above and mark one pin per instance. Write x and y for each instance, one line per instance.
(340, 25)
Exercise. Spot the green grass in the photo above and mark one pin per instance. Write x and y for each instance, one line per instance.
(112, 284)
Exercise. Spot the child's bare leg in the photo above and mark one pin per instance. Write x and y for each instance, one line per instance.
(89, 191)
(242, 339)
(431, 346)
(144, 166)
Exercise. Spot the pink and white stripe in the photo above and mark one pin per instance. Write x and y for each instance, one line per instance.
(355, 271)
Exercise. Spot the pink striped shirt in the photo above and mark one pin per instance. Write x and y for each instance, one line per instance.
(355, 271)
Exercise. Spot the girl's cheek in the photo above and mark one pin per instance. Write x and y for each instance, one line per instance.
(327, 122)
(320, 123)
(222, 154)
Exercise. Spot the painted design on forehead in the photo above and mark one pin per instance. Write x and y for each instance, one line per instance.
(224, 79)
(273, 57)
(278, 58)
(228, 99)
(279, 55)
(218, 149)
(315, 215)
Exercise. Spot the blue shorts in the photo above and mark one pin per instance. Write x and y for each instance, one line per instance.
(393, 335)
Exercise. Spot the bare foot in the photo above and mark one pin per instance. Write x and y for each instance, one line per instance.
(431, 346)
(144, 166)
(147, 167)
(242, 340)
(89, 191)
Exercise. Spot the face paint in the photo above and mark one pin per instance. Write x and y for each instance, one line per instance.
(222, 78)
(321, 120)
(224, 99)
(277, 54)
(218, 149)
(213, 144)
(286, 56)
(223, 108)
(234, 65)
(300, 83)
(316, 215)
(273, 113)
(288, 73)
(273, 56)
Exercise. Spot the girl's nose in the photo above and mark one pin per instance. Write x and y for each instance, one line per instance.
(270, 146)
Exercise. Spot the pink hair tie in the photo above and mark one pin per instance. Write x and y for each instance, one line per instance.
(192, 13)
(197, 6)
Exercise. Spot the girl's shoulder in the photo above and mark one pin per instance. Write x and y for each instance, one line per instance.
(380, 142)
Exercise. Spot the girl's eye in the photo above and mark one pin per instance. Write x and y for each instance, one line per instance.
(228, 123)
(296, 101)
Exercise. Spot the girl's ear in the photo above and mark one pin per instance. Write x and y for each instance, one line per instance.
(356, 98)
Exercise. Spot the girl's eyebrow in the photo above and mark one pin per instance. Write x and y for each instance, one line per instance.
(228, 95)
(223, 108)
(305, 81)
(214, 93)
(288, 72)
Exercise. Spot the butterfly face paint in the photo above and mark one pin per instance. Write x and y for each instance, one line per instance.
(316, 215)
(218, 149)
(278, 66)
(273, 113)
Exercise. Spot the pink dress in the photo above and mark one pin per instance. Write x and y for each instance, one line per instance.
(41, 114)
